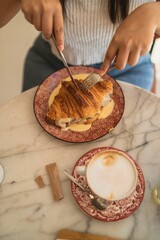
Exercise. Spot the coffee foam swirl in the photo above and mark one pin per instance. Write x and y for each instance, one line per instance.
(111, 175)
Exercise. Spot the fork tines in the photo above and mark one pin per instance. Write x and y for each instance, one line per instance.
(90, 81)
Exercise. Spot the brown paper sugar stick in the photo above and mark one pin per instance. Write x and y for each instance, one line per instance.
(39, 181)
(55, 181)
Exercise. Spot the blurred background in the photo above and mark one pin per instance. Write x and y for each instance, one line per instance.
(15, 40)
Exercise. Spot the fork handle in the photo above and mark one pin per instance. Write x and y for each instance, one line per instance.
(111, 67)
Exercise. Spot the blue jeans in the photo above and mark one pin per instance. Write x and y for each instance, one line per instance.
(40, 63)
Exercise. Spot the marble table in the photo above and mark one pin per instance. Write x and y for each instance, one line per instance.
(30, 213)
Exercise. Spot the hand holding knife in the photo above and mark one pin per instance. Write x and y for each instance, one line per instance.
(64, 62)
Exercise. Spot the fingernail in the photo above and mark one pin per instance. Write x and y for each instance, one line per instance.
(61, 47)
(101, 72)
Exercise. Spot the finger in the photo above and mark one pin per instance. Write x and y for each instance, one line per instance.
(37, 21)
(133, 57)
(122, 58)
(109, 58)
(47, 24)
(58, 29)
(29, 18)
(145, 49)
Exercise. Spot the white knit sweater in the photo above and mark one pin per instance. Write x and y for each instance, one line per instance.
(88, 31)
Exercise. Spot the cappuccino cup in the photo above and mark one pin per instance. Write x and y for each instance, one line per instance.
(110, 174)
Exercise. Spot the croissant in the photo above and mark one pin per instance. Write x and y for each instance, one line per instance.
(71, 106)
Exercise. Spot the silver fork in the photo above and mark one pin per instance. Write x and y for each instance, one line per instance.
(92, 79)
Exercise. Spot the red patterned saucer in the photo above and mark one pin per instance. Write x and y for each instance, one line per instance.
(116, 210)
(98, 129)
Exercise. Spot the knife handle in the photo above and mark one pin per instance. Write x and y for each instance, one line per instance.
(64, 61)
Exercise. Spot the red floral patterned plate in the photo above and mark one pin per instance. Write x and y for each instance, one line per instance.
(98, 129)
(116, 210)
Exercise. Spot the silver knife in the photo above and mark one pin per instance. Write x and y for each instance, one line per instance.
(64, 62)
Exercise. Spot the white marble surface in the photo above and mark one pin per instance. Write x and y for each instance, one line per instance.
(30, 213)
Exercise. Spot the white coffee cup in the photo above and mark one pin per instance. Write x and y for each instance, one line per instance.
(110, 174)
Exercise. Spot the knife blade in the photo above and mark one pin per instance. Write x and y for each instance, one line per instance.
(67, 234)
(64, 62)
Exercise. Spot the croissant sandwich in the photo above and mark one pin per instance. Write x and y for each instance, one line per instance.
(71, 106)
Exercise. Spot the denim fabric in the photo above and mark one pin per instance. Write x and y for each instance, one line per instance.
(141, 75)
(40, 63)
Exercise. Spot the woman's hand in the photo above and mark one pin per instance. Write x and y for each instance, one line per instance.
(133, 37)
(46, 16)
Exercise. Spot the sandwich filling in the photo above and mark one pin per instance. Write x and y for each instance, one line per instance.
(71, 107)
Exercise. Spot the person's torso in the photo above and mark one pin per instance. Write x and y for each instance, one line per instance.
(88, 30)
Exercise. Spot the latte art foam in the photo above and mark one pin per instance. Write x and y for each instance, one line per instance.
(111, 175)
